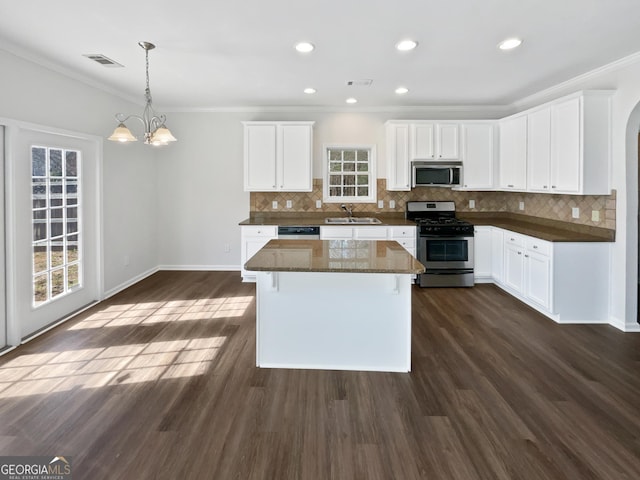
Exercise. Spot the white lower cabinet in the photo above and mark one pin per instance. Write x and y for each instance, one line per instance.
(252, 239)
(497, 254)
(566, 281)
(404, 235)
(482, 254)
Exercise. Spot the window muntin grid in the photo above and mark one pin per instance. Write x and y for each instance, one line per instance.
(56, 233)
(350, 174)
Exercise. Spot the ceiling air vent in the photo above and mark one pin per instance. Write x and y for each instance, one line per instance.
(365, 82)
(102, 60)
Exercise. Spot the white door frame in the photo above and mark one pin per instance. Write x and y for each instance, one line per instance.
(3, 304)
(12, 128)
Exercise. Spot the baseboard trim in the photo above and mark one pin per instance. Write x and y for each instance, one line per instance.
(130, 282)
(624, 326)
(204, 268)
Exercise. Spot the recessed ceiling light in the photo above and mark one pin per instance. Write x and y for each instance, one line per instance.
(352, 100)
(509, 43)
(304, 47)
(401, 90)
(406, 45)
(309, 90)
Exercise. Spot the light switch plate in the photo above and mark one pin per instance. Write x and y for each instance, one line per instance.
(595, 215)
(392, 204)
(472, 204)
(288, 203)
(575, 212)
(521, 205)
(274, 204)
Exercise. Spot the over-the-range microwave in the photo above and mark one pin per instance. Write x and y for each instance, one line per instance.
(436, 174)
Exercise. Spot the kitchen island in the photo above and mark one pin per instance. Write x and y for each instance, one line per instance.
(334, 304)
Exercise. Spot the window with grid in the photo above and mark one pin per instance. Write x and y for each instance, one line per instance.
(56, 237)
(350, 174)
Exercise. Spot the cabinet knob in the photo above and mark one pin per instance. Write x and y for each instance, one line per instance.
(535, 246)
(553, 186)
(510, 186)
(513, 239)
(274, 186)
(544, 186)
(440, 156)
(526, 256)
(519, 253)
(407, 185)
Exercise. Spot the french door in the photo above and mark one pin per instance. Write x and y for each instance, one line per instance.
(53, 227)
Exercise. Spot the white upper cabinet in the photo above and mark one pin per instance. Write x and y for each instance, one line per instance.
(398, 162)
(278, 156)
(478, 155)
(539, 151)
(435, 141)
(565, 145)
(513, 153)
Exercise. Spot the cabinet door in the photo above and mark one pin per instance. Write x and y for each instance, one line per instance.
(398, 162)
(295, 152)
(565, 147)
(336, 233)
(513, 153)
(447, 141)
(539, 151)
(538, 279)
(260, 158)
(370, 233)
(482, 252)
(422, 144)
(497, 254)
(477, 155)
(514, 267)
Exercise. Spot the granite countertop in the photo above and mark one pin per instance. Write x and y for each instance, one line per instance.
(317, 219)
(544, 229)
(346, 256)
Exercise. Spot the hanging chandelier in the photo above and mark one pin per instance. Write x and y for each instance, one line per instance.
(155, 131)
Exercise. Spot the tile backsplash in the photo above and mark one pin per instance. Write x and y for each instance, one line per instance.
(554, 207)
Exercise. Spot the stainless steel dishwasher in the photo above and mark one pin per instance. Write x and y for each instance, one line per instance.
(299, 233)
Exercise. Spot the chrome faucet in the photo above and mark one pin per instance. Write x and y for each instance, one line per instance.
(348, 209)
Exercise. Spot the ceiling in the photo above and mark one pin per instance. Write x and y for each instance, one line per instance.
(213, 54)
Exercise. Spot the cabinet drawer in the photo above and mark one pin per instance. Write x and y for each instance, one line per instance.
(407, 243)
(260, 231)
(515, 239)
(402, 232)
(541, 246)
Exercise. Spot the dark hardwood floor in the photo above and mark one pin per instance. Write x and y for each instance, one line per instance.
(160, 381)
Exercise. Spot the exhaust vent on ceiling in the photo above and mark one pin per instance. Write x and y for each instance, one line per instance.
(365, 82)
(102, 60)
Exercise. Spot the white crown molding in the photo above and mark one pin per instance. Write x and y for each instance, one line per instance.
(482, 110)
(561, 88)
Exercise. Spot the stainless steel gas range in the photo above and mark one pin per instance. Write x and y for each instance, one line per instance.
(445, 244)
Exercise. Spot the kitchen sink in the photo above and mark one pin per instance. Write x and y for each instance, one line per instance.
(352, 220)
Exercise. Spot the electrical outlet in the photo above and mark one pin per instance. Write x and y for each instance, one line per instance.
(521, 205)
(318, 203)
(289, 203)
(380, 203)
(595, 215)
(274, 204)
(472, 204)
(575, 212)
(392, 204)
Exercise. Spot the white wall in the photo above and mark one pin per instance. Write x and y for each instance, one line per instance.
(34, 94)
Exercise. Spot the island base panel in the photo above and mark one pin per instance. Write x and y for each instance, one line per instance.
(334, 321)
